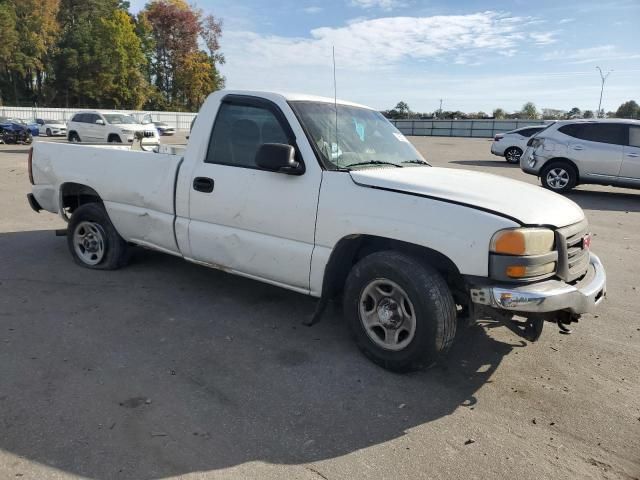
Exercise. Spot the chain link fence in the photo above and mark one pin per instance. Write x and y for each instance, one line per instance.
(461, 128)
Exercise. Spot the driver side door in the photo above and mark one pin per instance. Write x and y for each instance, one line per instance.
(246, 219)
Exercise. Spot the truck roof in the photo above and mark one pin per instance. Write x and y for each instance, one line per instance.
(292, 97)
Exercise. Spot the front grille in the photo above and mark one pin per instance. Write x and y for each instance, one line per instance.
(573, 257)
(149, 133)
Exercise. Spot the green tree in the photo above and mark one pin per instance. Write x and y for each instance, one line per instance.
(529, 110)
(402, 108)
(575, 112)
(121, 81)
(499, 114)
(628, 109)
(7, 46)
(587, 114)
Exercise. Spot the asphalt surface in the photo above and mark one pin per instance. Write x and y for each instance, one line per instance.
(167, 369)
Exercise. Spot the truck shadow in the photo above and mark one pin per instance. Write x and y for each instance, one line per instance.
(166, 368)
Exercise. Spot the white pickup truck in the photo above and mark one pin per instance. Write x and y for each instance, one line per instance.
(330, 200)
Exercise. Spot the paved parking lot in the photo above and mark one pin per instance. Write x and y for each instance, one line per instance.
(167, 369)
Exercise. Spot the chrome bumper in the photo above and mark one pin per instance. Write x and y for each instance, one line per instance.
(549, 295)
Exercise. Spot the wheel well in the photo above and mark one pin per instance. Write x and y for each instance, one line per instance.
(73, 195)
(350, 250)
(112, 136)
(513, 147)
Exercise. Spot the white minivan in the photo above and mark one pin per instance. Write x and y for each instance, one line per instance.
(111, 127)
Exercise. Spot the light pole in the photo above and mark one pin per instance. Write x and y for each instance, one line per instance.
(603, 77)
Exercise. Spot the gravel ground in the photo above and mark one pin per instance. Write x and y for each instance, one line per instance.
(167, 369)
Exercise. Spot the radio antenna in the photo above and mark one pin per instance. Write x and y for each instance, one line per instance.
(335, 101)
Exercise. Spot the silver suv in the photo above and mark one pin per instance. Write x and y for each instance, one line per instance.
(571, 152)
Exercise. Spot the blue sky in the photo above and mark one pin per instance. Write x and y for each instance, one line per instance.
(475, 55)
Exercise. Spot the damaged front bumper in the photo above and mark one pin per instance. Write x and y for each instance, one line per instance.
(546, 296)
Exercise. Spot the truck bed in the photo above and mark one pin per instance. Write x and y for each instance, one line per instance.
(137, 188)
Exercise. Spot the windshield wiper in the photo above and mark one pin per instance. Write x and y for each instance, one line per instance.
(372, 162)
(417, 162)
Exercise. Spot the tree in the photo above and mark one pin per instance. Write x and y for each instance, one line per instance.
(182, 72)
(121, 81)
(529, 110)
(7, 45)
(402, 108)
(499, 114)
(575, 112)
(628, 109)
(587, 114)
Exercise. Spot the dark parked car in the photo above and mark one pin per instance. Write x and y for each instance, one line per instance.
(13, 130)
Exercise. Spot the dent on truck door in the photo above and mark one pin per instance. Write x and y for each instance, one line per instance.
(246, 219)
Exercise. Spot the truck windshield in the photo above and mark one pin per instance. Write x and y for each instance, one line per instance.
(362, 138)
(117, 118)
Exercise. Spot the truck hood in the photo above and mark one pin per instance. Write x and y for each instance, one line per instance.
(528, 204)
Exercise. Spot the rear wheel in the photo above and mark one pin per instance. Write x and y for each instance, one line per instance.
(512, 155)
(93, 240)
(400, 312)
(559, 177)
(74, 137)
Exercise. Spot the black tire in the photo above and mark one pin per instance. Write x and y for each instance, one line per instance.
(429, 297)
(48, 132)
(512, 155)
(559, 177)
(74, 137)
(114, 139)
(115, 252)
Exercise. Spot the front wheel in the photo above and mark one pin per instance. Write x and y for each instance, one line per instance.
(401, 312)
(93, 240)
(512, 155)
(559, 177)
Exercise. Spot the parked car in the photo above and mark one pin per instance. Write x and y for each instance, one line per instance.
(413, 250)
(13, 130)
(164, 128)
(574, 152)
(111, 127)
(32, 126)
(52, 128)
(510, 145)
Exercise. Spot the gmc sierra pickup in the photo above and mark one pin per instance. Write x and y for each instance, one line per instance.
(330, 200)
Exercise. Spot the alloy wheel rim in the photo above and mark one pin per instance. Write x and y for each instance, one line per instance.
(387, 314)
(89, 243)
(558, 178)
(513, 155)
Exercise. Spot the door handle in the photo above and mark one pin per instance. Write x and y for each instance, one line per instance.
(577, 147)
(633, 155)
(203, 184)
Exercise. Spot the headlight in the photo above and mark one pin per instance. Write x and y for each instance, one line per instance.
(523, 253)
(523, 241)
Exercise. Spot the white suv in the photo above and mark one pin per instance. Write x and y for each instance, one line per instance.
(568, 153)
(510, 145)
(112, 127)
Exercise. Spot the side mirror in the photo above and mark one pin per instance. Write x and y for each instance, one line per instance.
(278, 157)
(100, 121)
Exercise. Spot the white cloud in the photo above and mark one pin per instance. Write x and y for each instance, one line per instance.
(386, 42)
(606, 53)
(383, 4)
(312, 10)
(566, 20)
